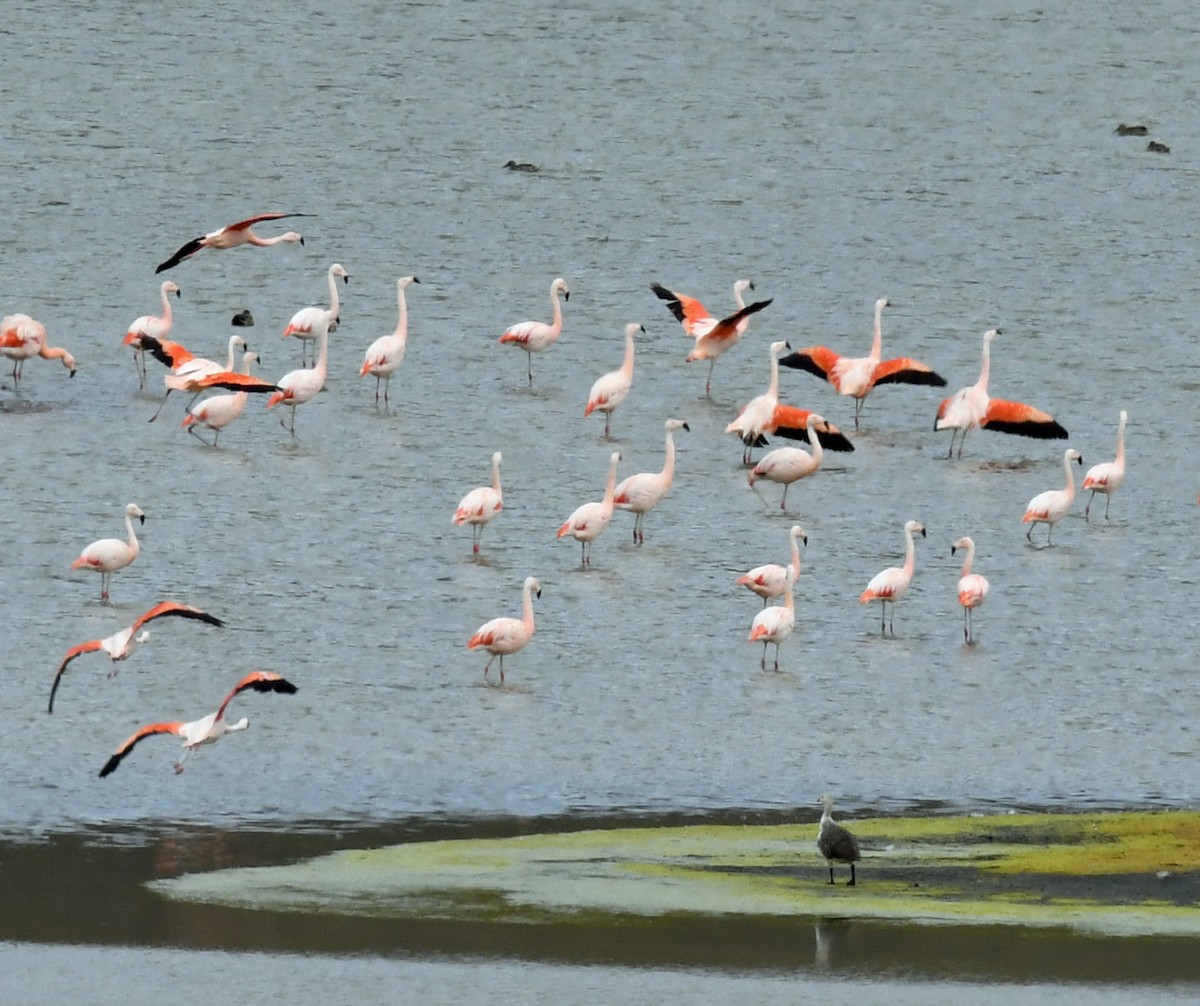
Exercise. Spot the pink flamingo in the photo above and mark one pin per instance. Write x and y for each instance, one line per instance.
(208, 730)
(22, 338)
(972, 407)
(219, 411)
(755, 414)
(299, 386)
(1051, 506)
(611, 389)
(1107, 477)
(503, 636)
(770, 580)
(120, 645)
(308, 322)
(786, 465)
(642, 492)
(775, 624)
(233, 235)
(385, 354)
(157, 326)
(857, 376)
(108, 555)
(480, 506)
(535, 336)
(972, 588)
(892, 584)
(197, 374)
(590, 521)
(791, 421)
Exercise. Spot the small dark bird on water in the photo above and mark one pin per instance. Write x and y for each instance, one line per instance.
(835, 843)
(1158, 148)
(1124, 130)
(521, 166)
(243, 319)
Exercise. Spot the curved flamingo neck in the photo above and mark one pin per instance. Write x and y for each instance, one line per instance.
(737, 295)
(814, 441)
(910, 554)
(627, 362)
(877, 341)
(166, 307)
(795, 557)
(133, 542)
(1069, 475)
(527, 610)
(556, 306)
(986, 368)
(968, 559)
(402, 308)
(230, 354)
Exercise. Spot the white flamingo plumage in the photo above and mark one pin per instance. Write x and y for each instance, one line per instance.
(385, 354)
(156, 326)
(770, 579)
(1052, 506)
(480, 506)
(775, 624)
(590, 521)
(108, 555)
(536, 336)
(1107, 477)
(890, 585)
(786, 465)
(218, 411)
(233, 235)
(642, 492)
(756, 413)
(303, 385)
(972, 588)
(611, 389)
(504, 636)
(22, 338)
(308, 323)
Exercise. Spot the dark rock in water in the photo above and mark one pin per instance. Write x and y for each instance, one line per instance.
(521, 166)
(243, 319)
(1158, 148)
(1124, 130)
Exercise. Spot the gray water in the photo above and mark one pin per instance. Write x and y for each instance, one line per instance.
(963, 165)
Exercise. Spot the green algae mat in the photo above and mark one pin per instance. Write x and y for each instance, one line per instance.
(1112, 873)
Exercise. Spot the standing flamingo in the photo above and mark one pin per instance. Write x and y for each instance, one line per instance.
(233, 235)
(108, 555)
(972, 407)
(712, 338)
(770, 580)
(386, 353)
(208, 730)
(120, 645)
(535, 336)
(480, 506)
(308, 322)
(589, 521)
(153, 325)
(756, 413)
(502, 636)
(856, 376)
(972, 588)
(219, 411)
(1051, 506)
(642, 492)
(775, 624)
(611, 389)
(1107, 477)
(299, 386)
(786, 465)
(836, 843)
(892, 584)
(22, 338)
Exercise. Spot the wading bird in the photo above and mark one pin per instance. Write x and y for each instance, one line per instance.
(502, 636)
(611, 389)
(890, 585)
(108, 555)
(836, 843)
(775, 624)
(1052, 506)
(219, 411)
(308, 323)
(642, 492)
(770, 580)
(156, 326)
(1107, 477)
(22, 338)
(535, 336)
(480, 506)
(786, 465)
(386, 353)
(590, 520)
(972, 588)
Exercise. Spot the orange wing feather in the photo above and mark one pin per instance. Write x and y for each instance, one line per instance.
(110, 766)
(1017, 417)
(905, 370)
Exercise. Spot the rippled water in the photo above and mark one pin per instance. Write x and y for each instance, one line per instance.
(966, 169)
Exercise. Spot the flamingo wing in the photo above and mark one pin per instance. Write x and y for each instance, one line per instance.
(187, 251)
(233, 381)
(792, 422)
(149, 730)
(165, 608)
(259, 681)
(817, 360)
(688, 311)
(905, 370)
(91, 646)
(242, 225)
(727, 328)
(169, 354)
(1024, 420)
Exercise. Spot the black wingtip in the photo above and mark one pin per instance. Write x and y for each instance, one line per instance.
(110, 766)
(800, 360)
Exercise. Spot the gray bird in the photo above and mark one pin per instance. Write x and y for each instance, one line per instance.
(836, 844)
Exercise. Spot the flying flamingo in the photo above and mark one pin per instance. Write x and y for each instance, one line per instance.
(198, 374)
(1106, 478)
(534, 336)
(219, 411)
(307, 323)
(712, 338)
(21, 338)
(770, 580)
(589, 521)
(972, 588)
(108, 555)
(971, 407)
(480, 506)
(856, 376)
(299, 386)
(786, 465)
(208, 730)
(502, 636)
(641, 493)
(120, 645)
(386, 353)
(791, 421)
(836, 843)
(756, 413)
(610, 390)
(153, 325)
(892, 584)
(775, 624)
(233, 235)
(1051, 506)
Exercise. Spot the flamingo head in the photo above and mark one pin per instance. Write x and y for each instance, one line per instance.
(239, 725)
(133, 510)
(560, 286)
(339, 271)
(779, 347)
(169, 287)
(913, 526)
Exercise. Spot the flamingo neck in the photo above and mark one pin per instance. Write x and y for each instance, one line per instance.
(1121, 443)
(814, 441)
(773, 388)
(968, 559)
(910, 554)
(496, 476)
(133, 542)
(231, 352)
(166, 307)
(668, 472)
(627, 363)
(610, 487)
(737, 296)
(527, 610)
(877, 340)
(322, 367)
(795, 559)
(556, 307)
(1070, 476)
(402, 311)
(334, 303)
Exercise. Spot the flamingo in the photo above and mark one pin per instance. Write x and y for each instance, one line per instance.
(120, 645)
(712, 338)
(972, 588)
(233, 235)
(108, 555)
(535, 336)
(198, 374)
(299, 386)
(219, 411)
(307, 323)
(1051, 506)
(589, 521)
(1107, 477)
(21, 338)
(502, 636)
(158, 326)
(641, 493)
(770, 580)
(892, 584)
(208, 730)
(775, 624)
(386, 353)
(856, 376)
(791, 421)
(480, 506)
(971, 407)
(835, 842)
(756, 413)
(610, 390)
(786, 465)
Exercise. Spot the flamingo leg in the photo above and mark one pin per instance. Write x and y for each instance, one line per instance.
(476, 535)
(1107, 501)
(858, 403)
(783, 502)
(139, 366)
(501, 668)
(708, 384)
(831, 874)
(160, 406)
(196, 433)
(529, 364)
(763, 661)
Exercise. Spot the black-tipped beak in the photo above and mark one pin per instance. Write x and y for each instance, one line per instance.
(415, 280)
(539, 593)
(72, 374)
(302, 240)
(686, 427)
(567, 295)
(142, 519)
